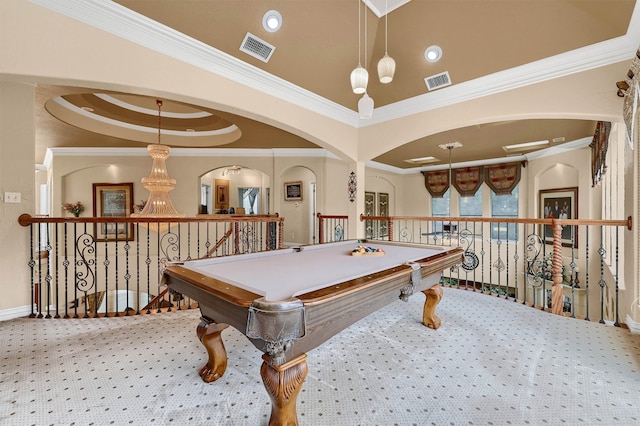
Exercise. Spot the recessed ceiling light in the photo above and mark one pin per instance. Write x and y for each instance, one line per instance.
(433, 53)
(272, 21)
(422, 160)
(88, 109)
(525, 146)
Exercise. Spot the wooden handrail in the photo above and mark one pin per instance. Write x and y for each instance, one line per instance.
(550, 222)
(26, 219)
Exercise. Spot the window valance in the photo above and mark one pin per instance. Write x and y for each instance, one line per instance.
(599, 147)
(501, 178)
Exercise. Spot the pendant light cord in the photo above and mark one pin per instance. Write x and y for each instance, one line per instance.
(159, 103)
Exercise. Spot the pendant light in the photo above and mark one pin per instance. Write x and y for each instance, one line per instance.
(386, 65)
(365, 104)
(359, 76)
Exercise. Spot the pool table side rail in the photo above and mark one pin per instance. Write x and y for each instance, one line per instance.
(429, 266)
(228, 292)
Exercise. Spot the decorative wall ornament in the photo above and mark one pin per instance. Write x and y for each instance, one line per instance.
(599, 147)
(352, 187)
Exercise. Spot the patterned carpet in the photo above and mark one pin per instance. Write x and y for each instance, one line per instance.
(493, 362)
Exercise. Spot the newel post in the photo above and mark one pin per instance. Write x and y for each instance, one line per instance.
(556, 289)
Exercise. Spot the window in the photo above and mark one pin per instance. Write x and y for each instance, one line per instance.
(440, 207)
(504, 206)
(471, 206)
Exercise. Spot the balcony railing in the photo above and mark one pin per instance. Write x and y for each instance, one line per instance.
(91, 267)
(560, 265)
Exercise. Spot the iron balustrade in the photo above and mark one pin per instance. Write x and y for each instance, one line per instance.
(557, 265)
(92, 267)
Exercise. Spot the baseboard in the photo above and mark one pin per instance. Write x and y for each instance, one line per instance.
(634, 327)
(12, 313)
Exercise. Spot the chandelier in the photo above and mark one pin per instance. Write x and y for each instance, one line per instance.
(159, 185)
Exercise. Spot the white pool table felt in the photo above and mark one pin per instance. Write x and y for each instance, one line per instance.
(281, 274)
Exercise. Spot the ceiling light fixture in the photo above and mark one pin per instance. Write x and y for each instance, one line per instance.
(433, 53)
(525, 146)
(386, 65)
(272, 21)
(359, 76)
(158, 184)
(365, 104)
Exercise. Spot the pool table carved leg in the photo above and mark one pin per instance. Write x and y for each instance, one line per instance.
(283, 383)
(429, 317)
(209, 333)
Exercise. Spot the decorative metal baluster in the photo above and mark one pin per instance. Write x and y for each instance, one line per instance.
(85, 275)
(106, 273)
(516, 257)
(482, 253)
(188, 242)
(147, 261)
(602, 252)
(617, 322)
(586, 258)
(48, 278)
(138, 268)
(116, 277)
(572, 266)
(57, 278)
(506, 293)
(40, 283)
(127, 272)
(32, 264)
(65, 264)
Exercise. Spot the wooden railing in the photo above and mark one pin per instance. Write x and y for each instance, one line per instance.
(91, 267)
(550, 264)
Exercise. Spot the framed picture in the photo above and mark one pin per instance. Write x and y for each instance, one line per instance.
(113, 200)
(222, 194)
(561, 203)
(293, 191)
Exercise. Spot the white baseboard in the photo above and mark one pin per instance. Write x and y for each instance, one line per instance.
(634, 327)
(12, 313)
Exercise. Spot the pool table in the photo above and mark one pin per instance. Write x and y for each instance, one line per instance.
(290, 301)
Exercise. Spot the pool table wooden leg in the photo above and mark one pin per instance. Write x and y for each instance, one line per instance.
(429, 317)
(209, 333)
(283, 383)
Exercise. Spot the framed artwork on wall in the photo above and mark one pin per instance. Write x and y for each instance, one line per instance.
(560, 203)
(113, 200)
(222, 194)
(293, 191)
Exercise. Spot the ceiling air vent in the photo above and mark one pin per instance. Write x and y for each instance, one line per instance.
(437, 81)
(257, 48)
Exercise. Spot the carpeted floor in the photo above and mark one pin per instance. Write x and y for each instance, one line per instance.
(493, 362)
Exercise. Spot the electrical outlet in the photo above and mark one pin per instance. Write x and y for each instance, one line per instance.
(12, 197)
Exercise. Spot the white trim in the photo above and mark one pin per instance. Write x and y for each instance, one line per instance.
(123, 22)
(116, 123)
(186, 152)
(13, 313)
(141, 110)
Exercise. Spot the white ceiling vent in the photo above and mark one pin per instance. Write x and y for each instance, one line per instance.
(257, 48)
(437, 81)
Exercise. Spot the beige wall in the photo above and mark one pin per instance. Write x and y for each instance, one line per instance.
(16, 175)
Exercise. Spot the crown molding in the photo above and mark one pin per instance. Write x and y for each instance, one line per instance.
(125, 23)
(132, 26)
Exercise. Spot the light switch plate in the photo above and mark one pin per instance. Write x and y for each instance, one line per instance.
(12, 197)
